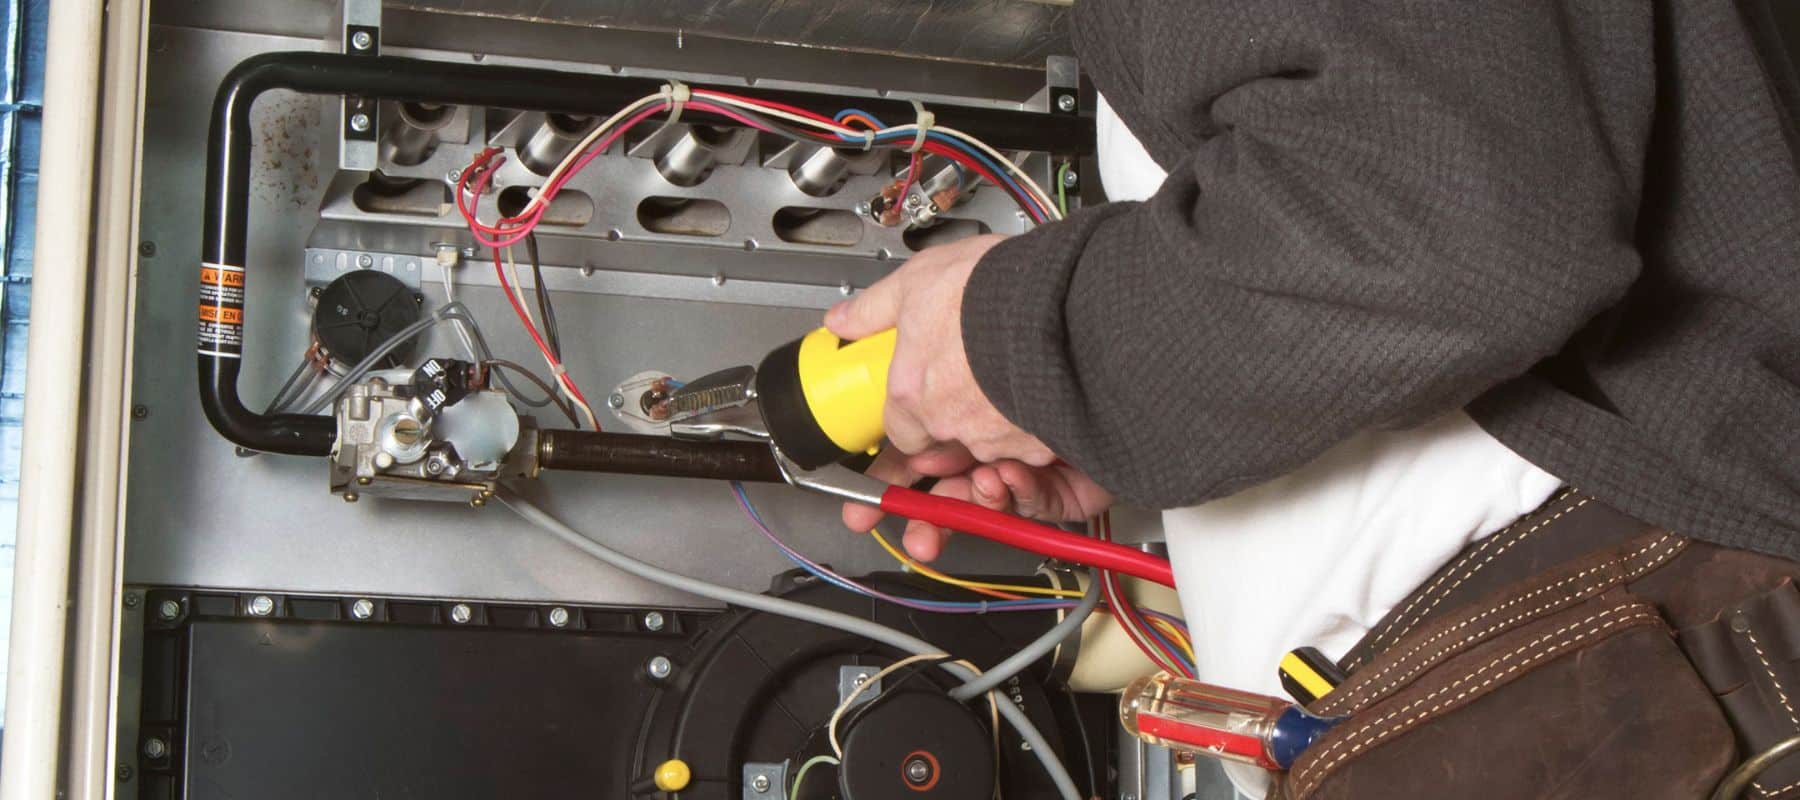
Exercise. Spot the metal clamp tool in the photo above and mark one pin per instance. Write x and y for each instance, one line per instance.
(749, 402)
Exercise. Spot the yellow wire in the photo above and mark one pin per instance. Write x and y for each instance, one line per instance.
(933, 574)
(1175, 635)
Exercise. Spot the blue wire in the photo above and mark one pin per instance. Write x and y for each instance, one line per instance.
(871, 117)
(946, 606)
(1043, 213)
(1013, 186)
(1172, 649)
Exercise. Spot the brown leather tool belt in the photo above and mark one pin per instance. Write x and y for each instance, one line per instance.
(1578, 653)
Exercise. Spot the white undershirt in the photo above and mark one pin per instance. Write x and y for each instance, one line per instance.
(1318, 556)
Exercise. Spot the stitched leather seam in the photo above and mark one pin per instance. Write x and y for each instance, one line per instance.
(1768, 668)
(1750, 634)
(1360, 695)
(1429, 590)
(1452, 648)
(1477, 568)
(1378, 729)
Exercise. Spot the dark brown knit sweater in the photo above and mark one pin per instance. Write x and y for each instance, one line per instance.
(1580, 220)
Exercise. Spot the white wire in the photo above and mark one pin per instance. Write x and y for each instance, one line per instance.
(850, 699)
(1032, 737)
(537, 198)
(1037, 192)
(1031, 185)
(557, 370)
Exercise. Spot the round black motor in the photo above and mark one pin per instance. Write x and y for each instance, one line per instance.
(917, 745)
(359, 311)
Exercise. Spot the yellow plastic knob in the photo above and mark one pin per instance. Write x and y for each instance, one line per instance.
(673, 775)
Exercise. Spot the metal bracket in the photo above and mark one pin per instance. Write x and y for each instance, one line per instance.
(359, 118)
(1062, 83)
(771, 777)
(852, 676)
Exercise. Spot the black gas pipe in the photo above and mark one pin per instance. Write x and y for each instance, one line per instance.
(224, 241)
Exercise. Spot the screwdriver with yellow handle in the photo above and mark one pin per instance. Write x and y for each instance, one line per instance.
(818, 400)
(822, 396)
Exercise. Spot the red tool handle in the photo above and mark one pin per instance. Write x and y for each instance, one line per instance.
(1025, 534)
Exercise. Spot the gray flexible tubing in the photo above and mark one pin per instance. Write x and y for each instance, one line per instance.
(1039, 647)
(1065, 786)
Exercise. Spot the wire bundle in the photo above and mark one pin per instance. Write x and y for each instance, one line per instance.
(1148, 625)
(763, 115)
(787, 121)
(1165, 644)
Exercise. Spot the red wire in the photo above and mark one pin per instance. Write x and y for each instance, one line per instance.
(766, 104)
(1119, 615)
(912, 174)
(1128, 616)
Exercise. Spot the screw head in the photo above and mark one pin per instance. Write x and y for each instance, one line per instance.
(361, 40)
(434, 466)
(461, 613)
(169, 609)
(155, 748)
(140, 411)
(359, 123)
(759, 784)
(147, 249)
(131, 600)
(654, 621)
(261, 605)
(351, 497)
(559, 617)
(1739, 623)
(454, 176)
(477, 501)
(1070, 178)
(363, 608)
(917, 771)
(1026, 746)
(365, 261)
(860, 679)
(660, 668)
(1065, 103)
(863, 209)
(125, 772)
(364, 481)
(616, 401)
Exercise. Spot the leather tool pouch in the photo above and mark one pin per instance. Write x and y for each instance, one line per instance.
(1571, 682)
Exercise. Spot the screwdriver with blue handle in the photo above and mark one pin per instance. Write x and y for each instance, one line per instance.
(818, 401)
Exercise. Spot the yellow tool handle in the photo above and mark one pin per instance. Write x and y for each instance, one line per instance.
(846, 386)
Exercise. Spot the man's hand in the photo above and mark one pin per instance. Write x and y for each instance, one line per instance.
(933, 399)
(1056, 493)
(940, 423)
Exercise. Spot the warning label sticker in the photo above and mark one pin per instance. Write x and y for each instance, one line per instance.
(221, 331)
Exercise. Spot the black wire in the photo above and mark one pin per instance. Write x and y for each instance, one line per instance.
(545, 310)
(560, 404)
